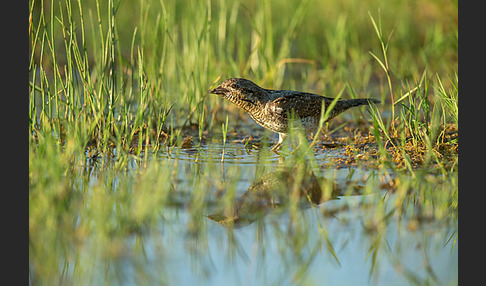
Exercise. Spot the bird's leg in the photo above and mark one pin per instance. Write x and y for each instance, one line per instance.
(281, 139)
(301, 136)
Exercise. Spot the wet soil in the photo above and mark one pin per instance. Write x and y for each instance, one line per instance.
(355, 143)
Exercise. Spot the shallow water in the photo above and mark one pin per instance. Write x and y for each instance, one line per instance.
(259, 254)
(333, 243)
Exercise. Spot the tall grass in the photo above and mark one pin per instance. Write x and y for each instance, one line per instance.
(112, 64)
(424, 118)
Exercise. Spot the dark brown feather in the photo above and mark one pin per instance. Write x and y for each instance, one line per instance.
(303, 104)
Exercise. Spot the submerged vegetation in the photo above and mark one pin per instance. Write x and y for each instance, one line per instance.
(129, 154)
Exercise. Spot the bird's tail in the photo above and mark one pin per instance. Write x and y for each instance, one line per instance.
(344, 105)
(359, 101)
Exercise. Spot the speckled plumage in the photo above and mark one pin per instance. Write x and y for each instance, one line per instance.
(272, 109)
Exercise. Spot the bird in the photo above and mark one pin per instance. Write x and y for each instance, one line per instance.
(274, 109)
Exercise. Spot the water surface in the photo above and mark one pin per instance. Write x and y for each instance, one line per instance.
(338, 241)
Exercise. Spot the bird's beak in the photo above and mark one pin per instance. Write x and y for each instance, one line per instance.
(218, 90)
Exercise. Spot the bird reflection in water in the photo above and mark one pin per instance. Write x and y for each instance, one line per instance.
(277, 190)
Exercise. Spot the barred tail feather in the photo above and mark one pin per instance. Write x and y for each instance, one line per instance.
(361, 101)
(344, 105)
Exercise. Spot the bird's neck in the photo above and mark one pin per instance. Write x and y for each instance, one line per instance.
(251, 106)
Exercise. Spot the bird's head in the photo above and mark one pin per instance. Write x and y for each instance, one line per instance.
(239, 91)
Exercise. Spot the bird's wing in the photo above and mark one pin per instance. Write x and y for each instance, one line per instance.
(303, 104)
